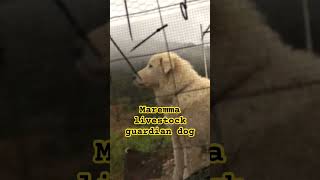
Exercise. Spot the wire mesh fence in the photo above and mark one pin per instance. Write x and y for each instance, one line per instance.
(139, 30)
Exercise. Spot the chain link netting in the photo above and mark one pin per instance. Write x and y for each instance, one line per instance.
(140, 29)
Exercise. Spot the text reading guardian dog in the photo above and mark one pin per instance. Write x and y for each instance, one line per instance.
(157, 122)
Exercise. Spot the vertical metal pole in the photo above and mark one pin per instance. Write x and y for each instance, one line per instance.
(307, 25)
(203, 51)
(167, 47)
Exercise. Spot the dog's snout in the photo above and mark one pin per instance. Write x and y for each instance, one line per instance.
(134, 77)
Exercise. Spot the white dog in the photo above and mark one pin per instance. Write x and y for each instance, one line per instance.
(176, 83)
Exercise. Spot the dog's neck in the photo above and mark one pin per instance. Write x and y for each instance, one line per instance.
(242, 44)
(175, 83)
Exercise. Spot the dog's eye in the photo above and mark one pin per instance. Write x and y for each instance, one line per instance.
(150, 66)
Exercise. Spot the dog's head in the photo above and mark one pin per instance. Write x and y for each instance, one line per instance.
(158, 69)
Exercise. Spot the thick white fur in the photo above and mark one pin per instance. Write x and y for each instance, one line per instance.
(176, 83)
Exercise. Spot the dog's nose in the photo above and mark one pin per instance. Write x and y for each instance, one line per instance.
(134, 77)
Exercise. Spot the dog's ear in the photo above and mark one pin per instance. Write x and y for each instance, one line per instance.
(167, 64)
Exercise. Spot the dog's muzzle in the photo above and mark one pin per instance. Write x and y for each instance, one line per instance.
(137, 81)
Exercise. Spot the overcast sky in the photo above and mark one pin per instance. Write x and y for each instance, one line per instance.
(178, 30)
(118, 7)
